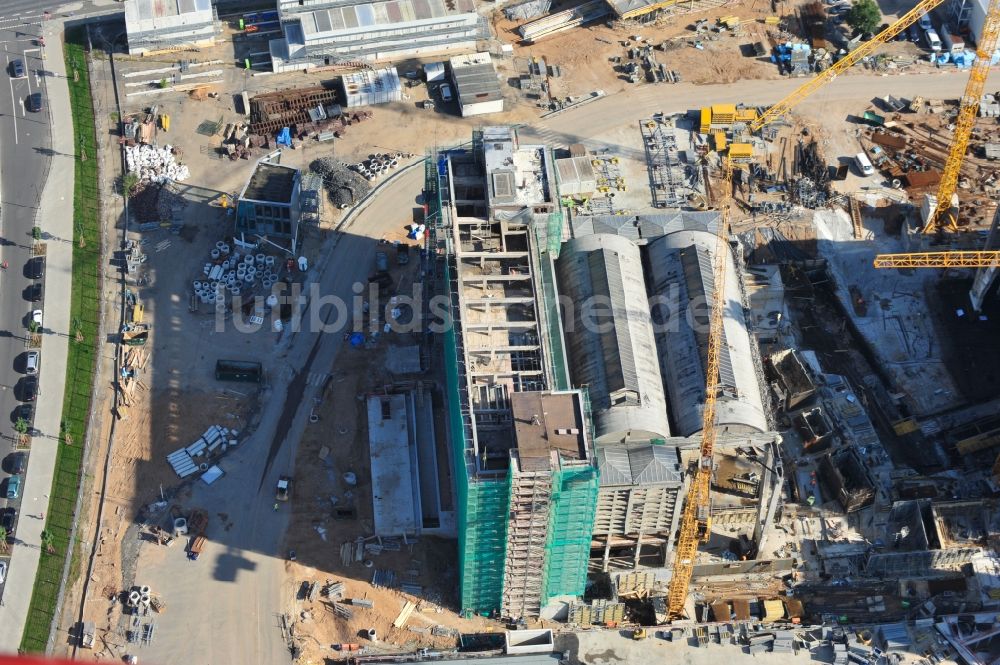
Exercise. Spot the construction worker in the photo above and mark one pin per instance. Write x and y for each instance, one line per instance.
(276, 507)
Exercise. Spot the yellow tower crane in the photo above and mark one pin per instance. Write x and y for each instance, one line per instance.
(696, 517)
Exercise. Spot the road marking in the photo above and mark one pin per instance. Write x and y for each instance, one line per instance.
(13, 102)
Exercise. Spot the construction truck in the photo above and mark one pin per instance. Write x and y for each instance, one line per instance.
(284, 489)
(197, 523)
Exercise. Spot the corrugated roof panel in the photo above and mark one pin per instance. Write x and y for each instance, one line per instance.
(613, 465)
(406, 9)
(366, 15)
(381, 13)
(393, 12)
(323, 22)
(421, 9)
(186, 6)
(350, 17)
(336, 19)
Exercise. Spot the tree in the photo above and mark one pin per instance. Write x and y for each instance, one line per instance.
(864, 16)
(3, 539)
(129, 182)
(21, 426)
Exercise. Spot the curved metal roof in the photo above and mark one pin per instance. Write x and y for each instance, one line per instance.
(681, 280)
(610, 338)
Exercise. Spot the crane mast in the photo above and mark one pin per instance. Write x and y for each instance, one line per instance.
(696, 517)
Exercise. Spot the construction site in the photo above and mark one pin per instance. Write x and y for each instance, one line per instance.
(708, 365)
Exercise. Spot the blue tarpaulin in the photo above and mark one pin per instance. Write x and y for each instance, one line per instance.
(285, 137)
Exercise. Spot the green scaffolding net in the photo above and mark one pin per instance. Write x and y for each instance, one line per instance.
(571, 523)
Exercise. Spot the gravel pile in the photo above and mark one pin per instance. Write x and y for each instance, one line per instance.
(344, 186)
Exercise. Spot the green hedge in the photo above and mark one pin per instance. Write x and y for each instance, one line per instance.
(84, 313)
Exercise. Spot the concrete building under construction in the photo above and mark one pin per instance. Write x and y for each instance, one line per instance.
(526, 474)
(572, 447)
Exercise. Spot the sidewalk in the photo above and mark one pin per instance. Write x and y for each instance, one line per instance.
(56, 219)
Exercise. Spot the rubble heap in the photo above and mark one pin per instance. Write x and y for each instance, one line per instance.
(155, 164)
(344, 186)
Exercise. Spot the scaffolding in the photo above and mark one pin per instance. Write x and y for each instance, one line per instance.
(527, 535)
(666, 172)
(574, 504)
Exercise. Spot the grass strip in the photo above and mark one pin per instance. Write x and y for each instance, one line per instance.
(82, 352)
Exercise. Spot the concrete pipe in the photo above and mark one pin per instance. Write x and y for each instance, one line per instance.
(144, 590)
(269, 261)
(203, 467)
(225, 265)
(236, 291)
(248, 259)
(197, 285)
(210, 298)
(260, 259)
(207, 269)
(219, 244)
(393, 164)
(133, 597)
(235, 258)
(204, 297)
(224, 249)
(248, 279)
(215, 253)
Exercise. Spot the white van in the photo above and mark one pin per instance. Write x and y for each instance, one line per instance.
(933, 41)
(864, 164)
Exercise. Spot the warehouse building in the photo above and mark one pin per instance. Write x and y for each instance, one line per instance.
(610, 338)
(681, 277)
(167, 25)
(343, 31)
(476, 85)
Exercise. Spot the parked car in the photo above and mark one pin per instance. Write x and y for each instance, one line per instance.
(3, 571)
(29, 388)
(35, 267)
(381, 262)
(402, 254)
(31, 360)
(34, 293)
(13, 487)
(17, 69)
(15, 463)
(36, 318)
(25, 412)
(445, 92)
(8, 520)
(35, 103)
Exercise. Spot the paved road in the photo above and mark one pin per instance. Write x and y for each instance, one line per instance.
(24, 142)
(252, 546)
(27, 146)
